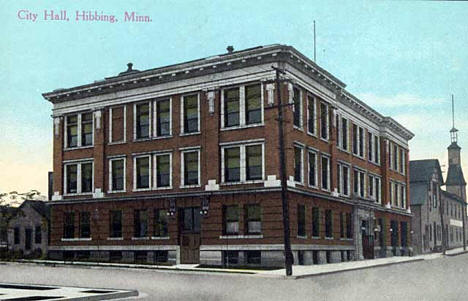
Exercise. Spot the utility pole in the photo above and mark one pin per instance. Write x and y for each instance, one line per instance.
(288, 259)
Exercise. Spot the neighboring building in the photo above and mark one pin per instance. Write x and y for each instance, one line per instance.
(433, 206)
(180, 164)
(29, 229)
(6, 212)
(425, 195)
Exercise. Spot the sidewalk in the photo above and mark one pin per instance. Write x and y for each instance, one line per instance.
(299, 271)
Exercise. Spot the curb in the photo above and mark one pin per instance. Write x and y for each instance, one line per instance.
(353, 269)
(456, 254)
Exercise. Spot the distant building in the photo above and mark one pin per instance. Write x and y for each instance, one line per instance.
(433, 207)
(29, 229)
(5, 214)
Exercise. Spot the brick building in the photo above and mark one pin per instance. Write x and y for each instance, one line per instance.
(180, 164)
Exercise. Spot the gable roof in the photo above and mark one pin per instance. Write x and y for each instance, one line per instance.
(452, 196)
(39, 206)
(422, 170)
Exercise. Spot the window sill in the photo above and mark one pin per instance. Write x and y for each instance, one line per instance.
(243, 182)
(327, 140)
(359, 157)
(346, 239)
(162, 137)
(343, 150)
(141, 189)
(190, 186)
(312, 134)
(235, 236)
(141, 139)
(302, 236)
(190, 134)
(66, 149)
(315, 237)
(301, 129)
(160, 237)
(162, 188)
(78, 194)
(240, 127)
(115, 238)
(77, 239)
(374, 163)
(116, 191)
(116, 142)
(329, 238)
(140, 238)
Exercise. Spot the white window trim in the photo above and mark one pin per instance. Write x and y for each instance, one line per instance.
(135, 173)
(309, 151)
(301, 147)
(314, 99)
(154, 130)
(78, 178)
(328, 122)
(359, 193)
(243, 163)
(124, 125)
(242, 112)
(124, 174)
(328, 172)
(182, 130)
(79, 144)
(342, 175)
(340, 144)
(364, 141)
(155, 168)
(182, 169)
(135, 138)
(301, 109)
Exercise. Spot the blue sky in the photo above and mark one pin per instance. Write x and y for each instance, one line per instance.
(404, 58)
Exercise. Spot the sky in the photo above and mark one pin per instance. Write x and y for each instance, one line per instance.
(403, 58)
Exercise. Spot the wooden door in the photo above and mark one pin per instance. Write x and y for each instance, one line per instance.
(189, 238)
(367, 241)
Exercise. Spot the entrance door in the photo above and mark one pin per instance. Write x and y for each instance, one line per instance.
(27, 239)
(367, 241)
(189, 239)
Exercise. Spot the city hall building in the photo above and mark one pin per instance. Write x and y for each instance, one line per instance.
(180, 164)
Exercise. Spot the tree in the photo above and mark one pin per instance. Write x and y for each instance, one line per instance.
(8, 208)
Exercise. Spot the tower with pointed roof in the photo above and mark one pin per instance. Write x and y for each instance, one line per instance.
(455, 182)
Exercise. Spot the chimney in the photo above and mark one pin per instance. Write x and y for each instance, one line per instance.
(230, 49)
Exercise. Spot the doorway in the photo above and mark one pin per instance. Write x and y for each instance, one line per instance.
(367, 241)
(189, 238)
(27, 239)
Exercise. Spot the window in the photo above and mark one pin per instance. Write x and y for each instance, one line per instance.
(315, 222)
(374, 148)
(117, 124)
(253, 104)
(349, 226)
(242, 163)
(143, 172)
(86, 129)
(358, 141)
(301, 221)
(395, 157)
(393, 199)
(254, 162)
(231, 107)
(311, 115)
(312, 168)
(359, 179)
(297, 107)
(190, 168)
(370, 146)
(17, 235)
(325, 173)
(190, 114)
(38, 234)
(342, 224)
(344, 134)
(374, 189)
(117, 178)
(324, 121)
(232, 164)
(160, 223)
(163, 170)
(79, 177)
(230, 257)
(402, 160)
(403, 196)
(298, 164)
(85, 229)
(142, 123)
(231, 220)
(253, 219)
(86, 177)
(163, 117)
(69, 225)
(253, 257)
(328, 224)
(115, 223)
(140, 223)
(191, 220)
(343, 179)
(72, 130)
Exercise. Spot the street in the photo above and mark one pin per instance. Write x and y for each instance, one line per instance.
(436, 279)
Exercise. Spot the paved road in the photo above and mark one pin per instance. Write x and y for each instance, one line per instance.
(438, 279)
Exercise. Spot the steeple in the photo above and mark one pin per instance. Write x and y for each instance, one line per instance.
(455, 182)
